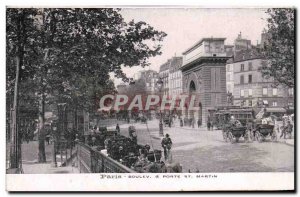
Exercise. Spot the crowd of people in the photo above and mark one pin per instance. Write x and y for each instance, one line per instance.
(126, 150)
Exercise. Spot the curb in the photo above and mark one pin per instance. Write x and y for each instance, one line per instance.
(285, 142)
(65, 163)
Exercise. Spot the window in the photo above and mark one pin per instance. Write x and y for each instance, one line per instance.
(242, 67)
(274, 104)
(250, 79)
(250, 67)
(250, 103)
(250, 92)
(241, 79)
(291, 91)
(290, 104)
(265, 91)
(242, 93)
(274, 91)
(242, 104)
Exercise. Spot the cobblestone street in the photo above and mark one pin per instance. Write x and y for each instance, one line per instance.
(205, 151)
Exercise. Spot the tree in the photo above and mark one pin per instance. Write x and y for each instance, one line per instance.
(18, 27)
(74, 50)
(279, 50)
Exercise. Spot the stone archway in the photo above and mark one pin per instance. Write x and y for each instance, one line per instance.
(192, 87)
(192, 90)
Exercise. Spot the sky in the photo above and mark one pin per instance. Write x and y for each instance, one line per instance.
(186, 26)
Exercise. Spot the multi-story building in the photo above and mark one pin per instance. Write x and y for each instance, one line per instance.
(251, 88)
(229, 76)
(164, 75)
(175, 76)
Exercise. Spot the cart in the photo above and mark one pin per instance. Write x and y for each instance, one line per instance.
(263, 131)
(234, 131)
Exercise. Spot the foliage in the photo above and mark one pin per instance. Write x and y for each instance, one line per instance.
(70, 52)
(279, 50)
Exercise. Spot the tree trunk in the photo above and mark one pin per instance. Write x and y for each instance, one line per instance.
(15, 146)
(14, 149)
(42, 154)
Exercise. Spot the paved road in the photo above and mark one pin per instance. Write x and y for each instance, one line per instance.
(205, 151)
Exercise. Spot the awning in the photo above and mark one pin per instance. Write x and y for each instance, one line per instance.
(265, 102)
(276, 110)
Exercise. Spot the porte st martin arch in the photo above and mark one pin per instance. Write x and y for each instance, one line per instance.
(204, 75)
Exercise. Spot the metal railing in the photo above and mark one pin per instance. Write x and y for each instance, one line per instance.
(89, 160)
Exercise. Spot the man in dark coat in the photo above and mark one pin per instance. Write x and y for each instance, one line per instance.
(166, 143)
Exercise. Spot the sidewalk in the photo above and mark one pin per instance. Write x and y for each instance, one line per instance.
(30, 163)
(289, 142)
(46, 168)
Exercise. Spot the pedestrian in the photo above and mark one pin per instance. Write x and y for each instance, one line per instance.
(166, 143)
(212, 125)
(208, 122)
(285, 119)
(289, 129)
(48, 139)
(198, 123)
(181, 122)
(193, 123)
(208, 125)
(118, 129)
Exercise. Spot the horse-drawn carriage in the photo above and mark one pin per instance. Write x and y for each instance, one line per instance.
(263, 131)
(234, 130)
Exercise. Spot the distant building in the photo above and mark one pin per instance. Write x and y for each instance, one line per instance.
(229, 76)
(150, 77)
(251, 89)
(164, 75)
(204, 75)
(241, 44)
(175, 76)
(264, 39)
(121, 88)
(229, 50)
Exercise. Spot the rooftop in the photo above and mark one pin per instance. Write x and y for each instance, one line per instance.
(200, 42)
(245, 55)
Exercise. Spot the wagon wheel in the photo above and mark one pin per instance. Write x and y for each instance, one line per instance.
(252, 137)
(259, 137)
(273, 136)
(225, 136)
(231, 138)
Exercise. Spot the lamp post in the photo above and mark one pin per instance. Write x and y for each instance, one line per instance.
(54, 134)
(159, 84)
(61, 107)
(61, 118)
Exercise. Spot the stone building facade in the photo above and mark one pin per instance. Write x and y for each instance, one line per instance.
(175, 76)
(252, 89)
(164, 75)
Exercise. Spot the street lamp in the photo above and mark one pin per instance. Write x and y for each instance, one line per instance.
(159, 84)
(54, 134)
(61, 107)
